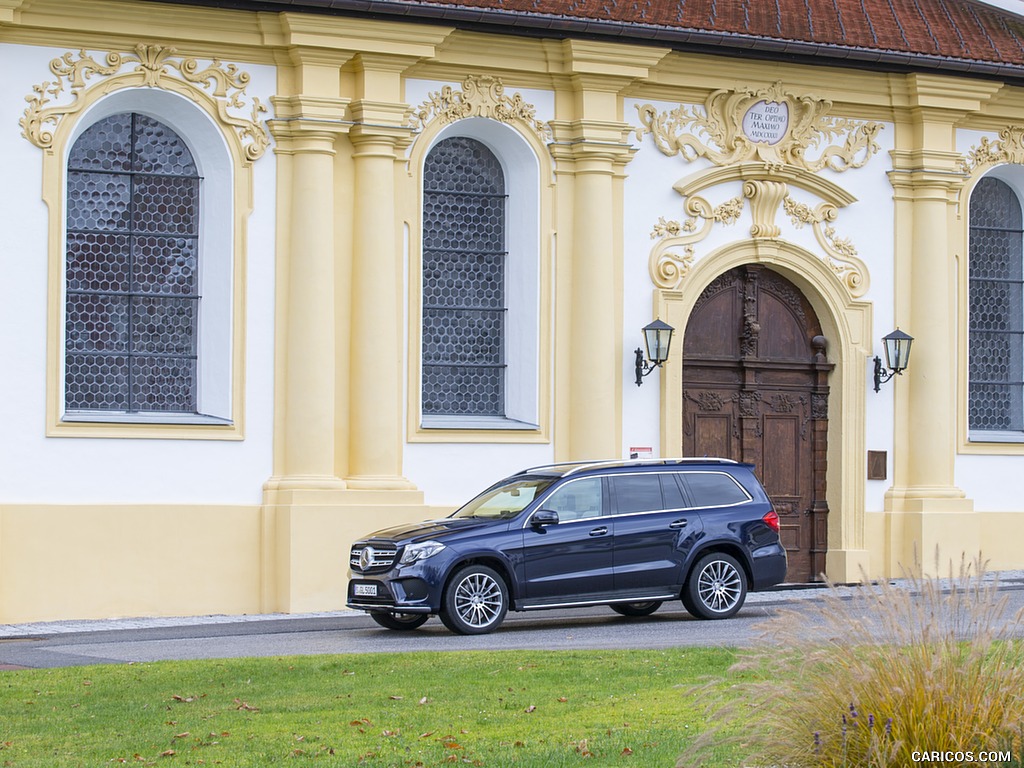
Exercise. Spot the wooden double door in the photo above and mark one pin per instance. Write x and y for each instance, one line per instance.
(755, 389)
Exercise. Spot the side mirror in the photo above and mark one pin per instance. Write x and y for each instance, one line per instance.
(544, 517)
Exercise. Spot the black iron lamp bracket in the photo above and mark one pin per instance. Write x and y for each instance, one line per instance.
(643, 368)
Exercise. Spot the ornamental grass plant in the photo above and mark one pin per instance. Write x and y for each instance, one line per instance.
(871, 675)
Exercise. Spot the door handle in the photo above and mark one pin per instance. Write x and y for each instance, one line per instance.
(599, 531)
(676, 524)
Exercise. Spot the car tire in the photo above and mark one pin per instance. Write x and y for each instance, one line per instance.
(475, 601)
(636, 609)
(402, 622)
(716, 588)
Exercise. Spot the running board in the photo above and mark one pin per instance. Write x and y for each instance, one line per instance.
(526, 605)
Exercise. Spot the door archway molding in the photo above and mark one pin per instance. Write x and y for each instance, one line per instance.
(846, 324)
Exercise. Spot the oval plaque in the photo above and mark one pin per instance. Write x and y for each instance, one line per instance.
(766, 122)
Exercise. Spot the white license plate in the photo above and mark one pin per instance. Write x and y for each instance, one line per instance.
(366, 590)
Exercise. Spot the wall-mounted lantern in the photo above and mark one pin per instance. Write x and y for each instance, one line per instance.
(897, 356)
(658, 339)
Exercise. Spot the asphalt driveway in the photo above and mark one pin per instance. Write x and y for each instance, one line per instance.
(77, 643)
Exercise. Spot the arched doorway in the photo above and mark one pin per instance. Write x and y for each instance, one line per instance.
(755, 389)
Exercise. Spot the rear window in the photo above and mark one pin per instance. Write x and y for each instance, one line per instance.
(714, 489)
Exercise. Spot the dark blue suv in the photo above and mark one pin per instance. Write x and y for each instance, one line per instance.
(627, 534)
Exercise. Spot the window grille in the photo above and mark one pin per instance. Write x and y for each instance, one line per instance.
(464, 305)
(132, 297)
(996, 324)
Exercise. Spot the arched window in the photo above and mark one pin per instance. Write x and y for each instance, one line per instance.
(464, 281)
(996, 312)
(132, 272)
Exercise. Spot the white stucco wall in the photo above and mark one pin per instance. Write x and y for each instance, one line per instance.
(867, 223)
(39, 469)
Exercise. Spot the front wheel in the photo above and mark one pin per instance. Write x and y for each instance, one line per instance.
(636, 609)
(716, 588)
(475, 601)
(399, 621)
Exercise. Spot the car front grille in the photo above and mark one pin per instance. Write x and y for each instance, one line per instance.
(366, 558)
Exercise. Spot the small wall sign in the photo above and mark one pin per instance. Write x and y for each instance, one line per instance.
(766, 122)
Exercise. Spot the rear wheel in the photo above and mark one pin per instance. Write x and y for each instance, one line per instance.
(400, 621)
(636, 609)
(716, 588)
(475, 601)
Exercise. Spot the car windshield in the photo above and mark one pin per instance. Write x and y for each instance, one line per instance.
(505, 501)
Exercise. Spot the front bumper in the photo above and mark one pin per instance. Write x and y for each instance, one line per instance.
(390, 593)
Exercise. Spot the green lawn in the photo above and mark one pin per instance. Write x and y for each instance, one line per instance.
(419, 709)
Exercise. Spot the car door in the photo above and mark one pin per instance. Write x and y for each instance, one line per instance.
(570, 560)
(654, 531)
(721, 502)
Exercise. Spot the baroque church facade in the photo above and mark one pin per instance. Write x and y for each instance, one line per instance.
(279, 274)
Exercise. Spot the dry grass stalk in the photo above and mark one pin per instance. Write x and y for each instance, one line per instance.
(867, 679)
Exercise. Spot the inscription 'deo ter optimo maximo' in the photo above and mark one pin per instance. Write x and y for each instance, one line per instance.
(766, 122)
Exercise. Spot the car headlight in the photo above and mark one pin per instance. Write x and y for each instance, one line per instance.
(416, 552)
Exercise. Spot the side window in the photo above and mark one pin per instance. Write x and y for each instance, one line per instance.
(132, 293)
(673, 492)
(637, 493)
(996, 310)
(576, 500)
(714, 489)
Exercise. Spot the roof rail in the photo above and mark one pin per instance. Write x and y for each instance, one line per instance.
(552, 466)
(580, 466)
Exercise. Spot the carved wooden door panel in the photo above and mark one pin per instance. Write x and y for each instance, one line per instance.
(755, 389)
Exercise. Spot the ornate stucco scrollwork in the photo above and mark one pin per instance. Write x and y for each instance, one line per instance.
(771, 125)
(669, 267)
(481, 96)
(769, 139)
(841, 255)
(1008, 148)
(148, 66)
(764, 197)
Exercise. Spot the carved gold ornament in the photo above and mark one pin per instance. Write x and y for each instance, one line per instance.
(770, 140)
(672, 256)
(770, 125)
(1008, 148)
(841, 254)
(481, 96)
(148, 66)
(668, 267)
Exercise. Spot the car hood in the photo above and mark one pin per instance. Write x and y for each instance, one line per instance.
(441, 530)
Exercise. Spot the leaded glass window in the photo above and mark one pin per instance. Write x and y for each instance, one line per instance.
(996, 324)
(464, 303)
(132, 293)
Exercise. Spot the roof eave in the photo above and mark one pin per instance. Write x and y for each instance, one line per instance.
(704, 41)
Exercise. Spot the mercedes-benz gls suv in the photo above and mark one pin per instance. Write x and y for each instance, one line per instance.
(627, 534)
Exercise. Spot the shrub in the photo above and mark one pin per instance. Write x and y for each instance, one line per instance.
(868, 675)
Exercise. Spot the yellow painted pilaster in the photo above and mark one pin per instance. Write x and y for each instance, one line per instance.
(342, 127)
(597, 156)
(310, 117)
(930, 512)
(591, 149)
(306, 130)
(378, 137)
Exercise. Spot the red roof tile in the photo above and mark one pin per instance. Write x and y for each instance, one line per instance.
(956, 35)
(959, 29)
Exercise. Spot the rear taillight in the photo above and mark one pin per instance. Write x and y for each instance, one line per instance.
(771, 519)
